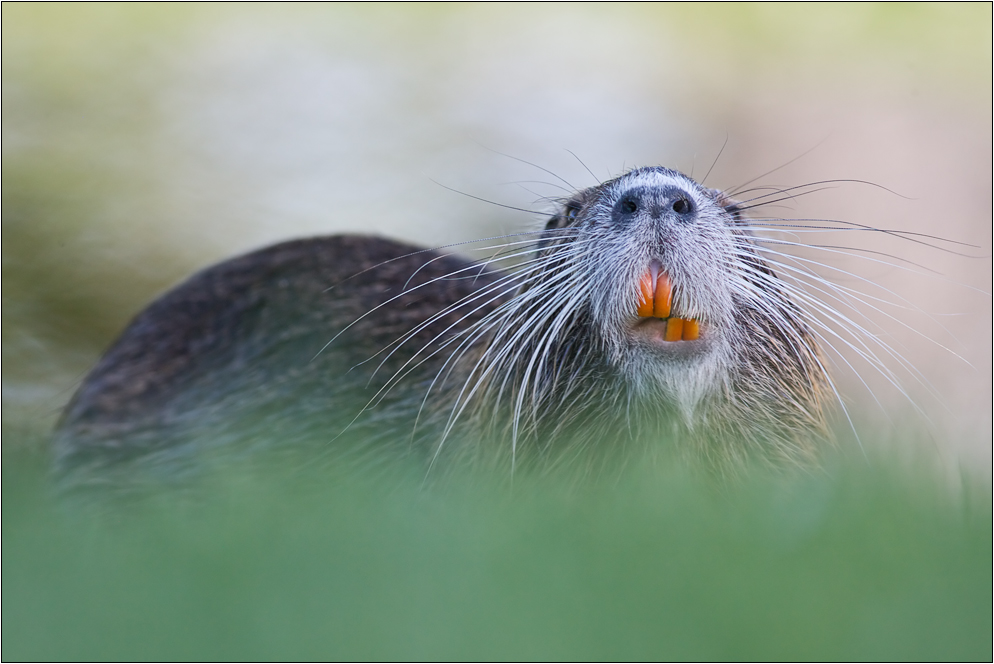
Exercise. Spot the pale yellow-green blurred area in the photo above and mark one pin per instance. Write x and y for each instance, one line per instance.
(141, 142)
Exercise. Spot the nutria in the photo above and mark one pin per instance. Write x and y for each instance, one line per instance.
(642, 311)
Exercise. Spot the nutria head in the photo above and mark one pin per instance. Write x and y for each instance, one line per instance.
(648, 299)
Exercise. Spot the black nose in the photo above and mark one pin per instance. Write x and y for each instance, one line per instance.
(656, 203)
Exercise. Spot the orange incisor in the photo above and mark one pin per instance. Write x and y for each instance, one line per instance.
(646, 296)
(664, 297)
(655, 300)
(691, 329)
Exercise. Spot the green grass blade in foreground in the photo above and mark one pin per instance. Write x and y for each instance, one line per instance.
(858, 563)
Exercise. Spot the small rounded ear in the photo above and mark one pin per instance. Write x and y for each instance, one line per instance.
(565, 217)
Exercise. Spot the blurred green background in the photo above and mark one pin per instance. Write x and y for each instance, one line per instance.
(143, 142)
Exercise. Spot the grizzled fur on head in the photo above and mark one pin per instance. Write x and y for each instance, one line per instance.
(754, 376)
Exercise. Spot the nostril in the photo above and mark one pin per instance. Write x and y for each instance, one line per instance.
(681, 206)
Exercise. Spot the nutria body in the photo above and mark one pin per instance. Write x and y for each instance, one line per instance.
(422, 353)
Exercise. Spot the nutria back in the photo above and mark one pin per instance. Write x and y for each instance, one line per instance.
(243, 347)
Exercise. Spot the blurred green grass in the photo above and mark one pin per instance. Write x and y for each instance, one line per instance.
(857, 563)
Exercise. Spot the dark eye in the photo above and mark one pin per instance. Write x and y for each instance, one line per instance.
(628, 206)
(572, 210)
(681, 206)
